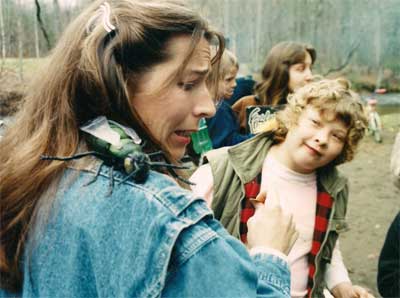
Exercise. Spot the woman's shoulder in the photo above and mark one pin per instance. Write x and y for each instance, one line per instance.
(118, 202)
(111, 233)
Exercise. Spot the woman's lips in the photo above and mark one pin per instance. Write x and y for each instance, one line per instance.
(183, 136)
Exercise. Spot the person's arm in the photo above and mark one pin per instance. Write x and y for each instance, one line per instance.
(395, 161)
(389, 262)
(239, 108)
(338, 281)
(204, 183)
(336, 271)
(222, 268)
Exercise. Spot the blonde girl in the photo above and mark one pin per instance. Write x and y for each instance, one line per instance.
(294, 162)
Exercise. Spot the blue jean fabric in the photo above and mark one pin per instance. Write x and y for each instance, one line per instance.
(144, 240)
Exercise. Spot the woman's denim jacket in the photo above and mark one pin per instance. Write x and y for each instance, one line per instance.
(142, 240)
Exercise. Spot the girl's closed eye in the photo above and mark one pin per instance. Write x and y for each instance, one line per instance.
(315, 122)
(338, 137)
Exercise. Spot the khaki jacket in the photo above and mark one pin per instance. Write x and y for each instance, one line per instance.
(233, 167)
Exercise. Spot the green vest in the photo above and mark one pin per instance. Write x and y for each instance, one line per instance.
(233, 167)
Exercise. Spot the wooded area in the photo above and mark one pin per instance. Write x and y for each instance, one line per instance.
(351, 36)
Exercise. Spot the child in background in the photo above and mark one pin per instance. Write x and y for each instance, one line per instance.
(244, 87)
(374, 120)
(223, 128)
(287, 68)
(295, 162)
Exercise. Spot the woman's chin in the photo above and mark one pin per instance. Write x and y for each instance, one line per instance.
(177, 154)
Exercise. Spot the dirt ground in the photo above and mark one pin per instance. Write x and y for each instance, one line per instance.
(374, 201)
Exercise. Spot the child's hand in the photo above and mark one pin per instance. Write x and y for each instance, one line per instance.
(270, 227)
(347, 290)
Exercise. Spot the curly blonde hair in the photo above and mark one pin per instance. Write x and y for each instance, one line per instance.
(335, 100)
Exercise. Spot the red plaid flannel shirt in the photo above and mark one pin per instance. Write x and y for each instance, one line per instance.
(323, 210)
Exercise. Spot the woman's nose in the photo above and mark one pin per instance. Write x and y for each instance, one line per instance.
(205, 105)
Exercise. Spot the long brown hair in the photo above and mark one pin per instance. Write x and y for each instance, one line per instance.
(91, 72)
(273, 89)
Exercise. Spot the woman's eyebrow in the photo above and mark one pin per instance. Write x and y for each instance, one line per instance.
(199, 71)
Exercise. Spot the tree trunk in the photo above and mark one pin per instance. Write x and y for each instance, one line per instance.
(3, 38)
(226, 19)
(57, 20)
(20, 50)
(42, 27)
(258, 31)
(37, 42)
(378, 43)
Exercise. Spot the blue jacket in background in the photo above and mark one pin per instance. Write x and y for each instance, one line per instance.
(144, 240)
(223, 128)
(244, 87)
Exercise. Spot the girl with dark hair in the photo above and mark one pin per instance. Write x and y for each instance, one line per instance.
(287, 68)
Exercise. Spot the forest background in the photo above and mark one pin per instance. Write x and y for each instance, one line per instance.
(356, 38)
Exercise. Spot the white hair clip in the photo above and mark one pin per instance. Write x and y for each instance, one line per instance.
(105, 8)
(104, 12)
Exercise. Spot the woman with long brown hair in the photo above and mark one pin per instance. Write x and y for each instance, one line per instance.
(287, 67)
(89, 205)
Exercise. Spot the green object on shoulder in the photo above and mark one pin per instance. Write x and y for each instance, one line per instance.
(128, 147)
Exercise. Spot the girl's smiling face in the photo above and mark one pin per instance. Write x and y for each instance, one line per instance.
(314, 142)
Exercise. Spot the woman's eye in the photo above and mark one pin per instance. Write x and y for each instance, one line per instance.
(187, 86)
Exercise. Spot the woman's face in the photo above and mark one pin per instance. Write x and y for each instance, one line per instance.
(227, 84)
(300, 74)
(172, 116)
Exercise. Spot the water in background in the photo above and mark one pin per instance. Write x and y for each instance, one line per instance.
(388, 103)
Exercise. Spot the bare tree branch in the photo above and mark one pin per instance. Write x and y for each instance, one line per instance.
(346, 61)
(39, 19)
(3, 39)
